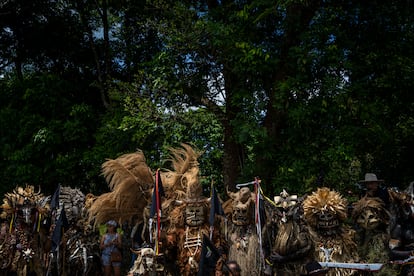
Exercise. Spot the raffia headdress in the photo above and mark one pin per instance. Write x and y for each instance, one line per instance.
(182, 181)
(130, 181)
(324, 200)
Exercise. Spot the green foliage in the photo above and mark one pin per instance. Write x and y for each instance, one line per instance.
(43, 143)
(154, 127)
(298, 93)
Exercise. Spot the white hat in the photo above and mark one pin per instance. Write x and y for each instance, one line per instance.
(371, 177)
(112, 223)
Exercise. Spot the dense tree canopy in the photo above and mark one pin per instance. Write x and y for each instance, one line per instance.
(298, 93)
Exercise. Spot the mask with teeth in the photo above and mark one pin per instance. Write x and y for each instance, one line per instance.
(325, 210)
(370, 213)
(195, 215)
(242, 214)
(328, 223)
(242, 207)
(369, 219)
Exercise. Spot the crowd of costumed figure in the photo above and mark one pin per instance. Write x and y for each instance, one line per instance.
(168, 223)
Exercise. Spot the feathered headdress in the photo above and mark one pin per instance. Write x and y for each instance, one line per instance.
(183, 181)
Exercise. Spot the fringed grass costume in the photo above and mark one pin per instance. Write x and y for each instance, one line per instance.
(372, 219)
(325, 211)
(188, 219)
(289, 244)
(242, 233)
(402, 229)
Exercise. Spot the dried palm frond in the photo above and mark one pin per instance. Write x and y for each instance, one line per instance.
(184, 161)
(131, 181)
(128, 168)
(184, 158)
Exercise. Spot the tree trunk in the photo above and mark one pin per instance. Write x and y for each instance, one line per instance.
(101, 73)
(298, 18)
(232, 155)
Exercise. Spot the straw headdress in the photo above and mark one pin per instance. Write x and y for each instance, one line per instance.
(182, 181)
(324, 200)
(373, 203)
(130, 181)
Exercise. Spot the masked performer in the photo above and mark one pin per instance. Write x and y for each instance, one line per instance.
(289, 243)
(244, 246)
(188, 220)
(23, 248)
(325, 212)
(372, 219)
(402, 229)
(145, 264)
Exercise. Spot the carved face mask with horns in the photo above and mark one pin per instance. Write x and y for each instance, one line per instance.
(243, 207)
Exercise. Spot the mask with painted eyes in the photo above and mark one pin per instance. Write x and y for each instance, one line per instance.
(195, 215)
(369, 219)
(243, 206)
(370, 213)
(328, 223)
(242, 213)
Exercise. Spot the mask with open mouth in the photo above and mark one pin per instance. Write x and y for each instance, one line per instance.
(328, 223)
(242, 206)
(325, 210)
(242, 214)
(370, 213)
